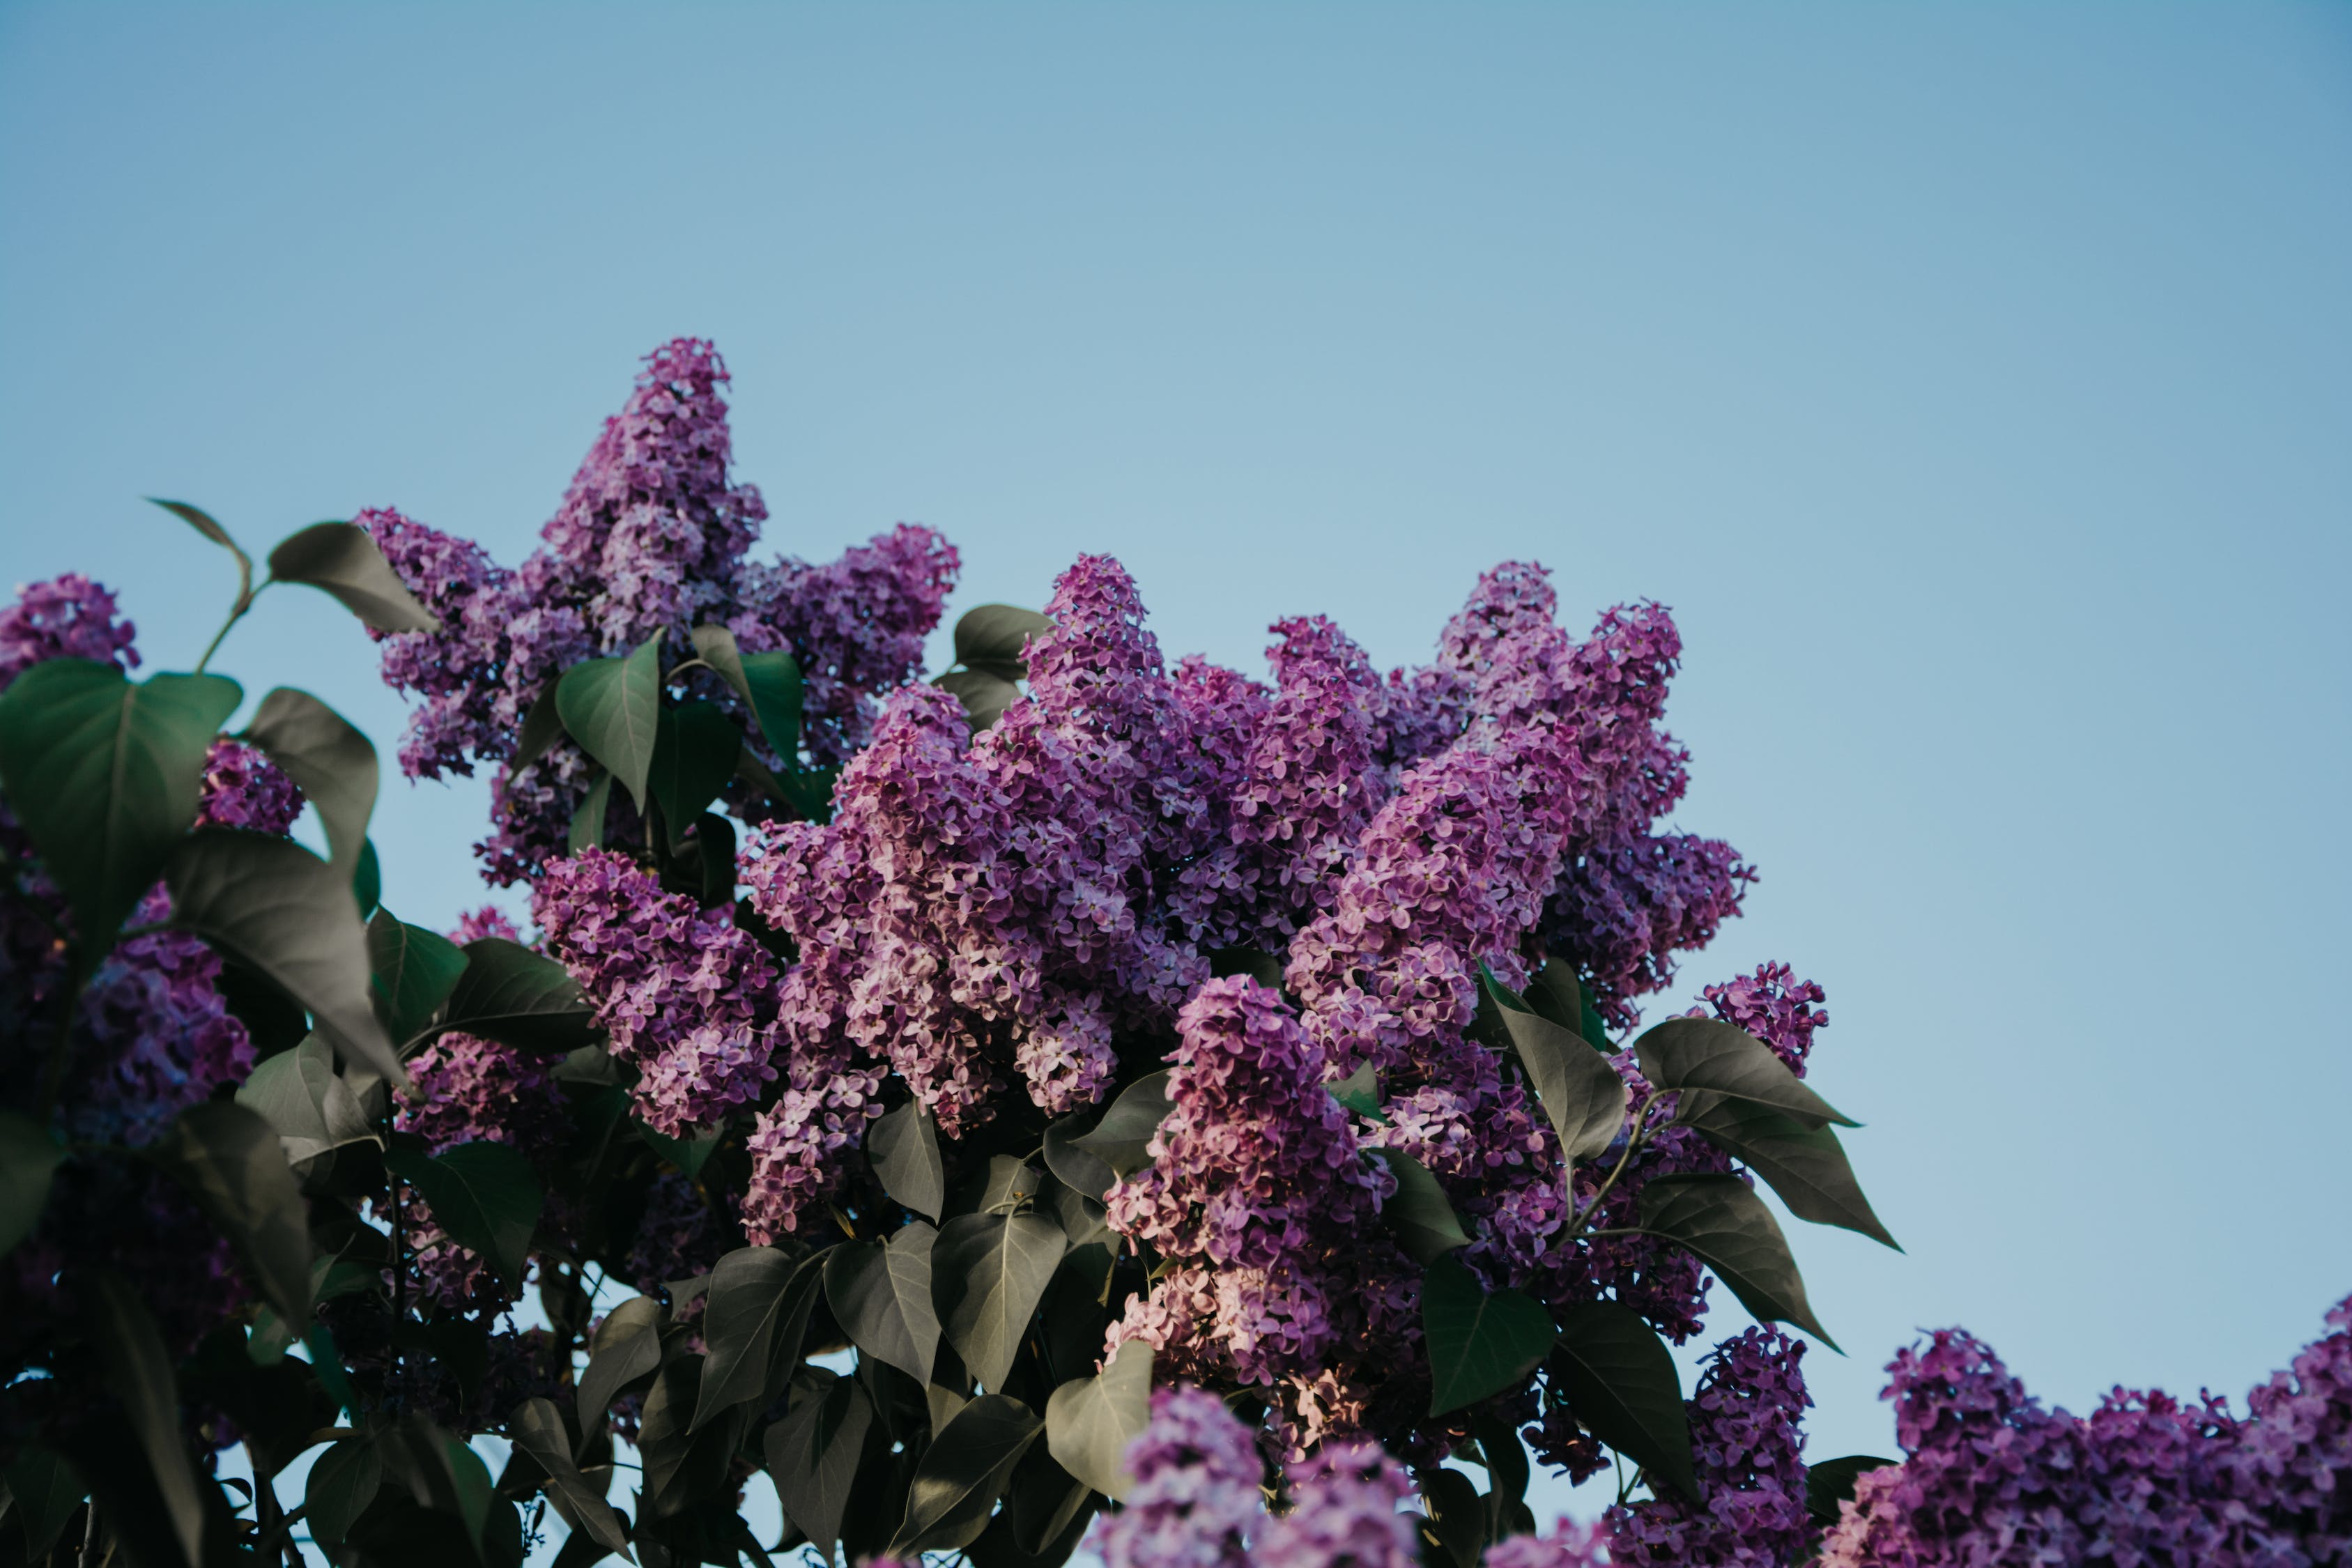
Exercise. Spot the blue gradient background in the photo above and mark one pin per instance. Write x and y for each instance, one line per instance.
(1975, 382)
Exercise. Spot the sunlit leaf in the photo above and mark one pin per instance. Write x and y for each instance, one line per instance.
(881, 1297)
(340, 558)
(987, 1273)
(1090, 1422)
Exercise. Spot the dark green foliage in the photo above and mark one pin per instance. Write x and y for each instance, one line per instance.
(228, 1160)
(1479, 1343)
(1418, 1212)
(333, 764)
(508, 993)
(1722, 1220)
(415, 971)
(1621, 1380)
(486, 1195)
(1832, 1482)
(613, 707)
(963, 1472)
(815, 1452)
(904, 1146)
(881, 1295)
(28, 1161)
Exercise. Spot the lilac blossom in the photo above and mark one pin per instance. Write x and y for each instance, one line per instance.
(1775, 1006)
(1570, 1545)
(1746, 1446)
(65, 617)
(687, 998)
(1343, 1513)
(243, 788)
(1195, 1502)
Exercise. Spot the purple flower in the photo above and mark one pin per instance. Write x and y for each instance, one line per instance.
(1570, 1545)
(1746, 1445)
(1343, 1513)
(65, 617)
(243, 788)
(1195, 1497)
(1776, 1007)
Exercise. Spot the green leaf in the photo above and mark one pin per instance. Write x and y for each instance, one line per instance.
(340, 558)
(541, 726)
(1832, 1482)
(311, 1108)
(342, 1485)
(881, 1297)
(105, 776)
(367, 880)
(29, 1158)
(519, 998)
(1121, 1139)
(538, 1430)
(809, 791)
(626, 1347)
(280, 908)
(46, 1492)
(904, 1147)
(752, 1327)
(332, 763)
(1418, 1211)
(613, 707)
(683, 1465)
(695, 748)
(139, 1374)
(415, 970)
(1479, 1344)
(961, 1475)
(1805, 1164)
(441, 1472)
(989, 1271)
(587, 829)
(1360, 1091)
(1457, 1515)
(1621, 1382)
(1722, 1220)
(486, 1196)
(1581, 1093)
(1707, 1057)
(1090, 1422)
(769, 683)
(813, 1456)
(689, 1154)
(202, 521)
(229, 1160)
(996, 636)
(1080, 1170)
(985, 696)
(1255, 962)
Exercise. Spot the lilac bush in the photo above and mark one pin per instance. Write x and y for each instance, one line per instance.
(1082, 1091)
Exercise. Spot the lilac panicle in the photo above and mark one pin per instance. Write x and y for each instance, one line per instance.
(243, 788)
(65, 617)
(1343, 1513)
(1746, 1445)
(1194, 1503)
(1570, 1545)
(1775, 1006)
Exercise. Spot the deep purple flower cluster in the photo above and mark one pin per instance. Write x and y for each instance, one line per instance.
(1195, 1497)
(1343, 1512)
(651, 538)
(1257, 1197)
(243, 788)
(1747, 1443)
(1994, 1477)
(1776, 1007)
(685, 997)
(65, 617)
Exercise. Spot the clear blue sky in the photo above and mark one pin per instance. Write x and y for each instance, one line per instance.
(1975, 382)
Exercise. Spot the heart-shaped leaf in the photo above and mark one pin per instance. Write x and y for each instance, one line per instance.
(343, 1483)
(1722, 1220)
(536, 1429)
(1121, 1139)
(769, 683)
(230, 1161)
(519, 998)
(486, 1195)
(306, 1103)
(415, 971)
(1705, 1057)
(1805, 1164)
(1479, 1343)
(904, 1146)
(758, 1313)
(1581, 1093)
(1621, 1382)
(541, 726)
(626, 1347)
(881, 1297)
(332, 763)
(813, 1456)
(138, 1374)
(29, 1158)
(1081, 1169)
(695, 748)
(1090, 1422)
(989, 1271)
(613, 707)
(997, 635)
(1419, 1211)
(963, 1473)
(280, 908)
(340, 558)
(105, 776)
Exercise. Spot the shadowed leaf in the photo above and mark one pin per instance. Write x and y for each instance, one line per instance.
(1120, 1138)
(229, 1160)
(46, 1492)
(626, 1347)
(1722, 1220)
(1479, 1344)
(332, 763)
(343, 1483)
(758, 1312)
(904, 1146)
(536, 1429)
(29, 1158)
(1805, 1164)
(340, 558)
(138, 1374)
(486, 1195)
(414, 970)
(306, 1102)
(1418, 1211)
(1621, 1380)
(1832, 1482)
(519, 998)
(881, 1297)
(813, 1456)
(1707, 1057)
(963, 1473)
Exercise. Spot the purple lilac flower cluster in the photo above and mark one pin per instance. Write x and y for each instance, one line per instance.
(1994, 1477)
(1747, 1443)
(651, 538)
(65, 617)
(1195, 1497)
